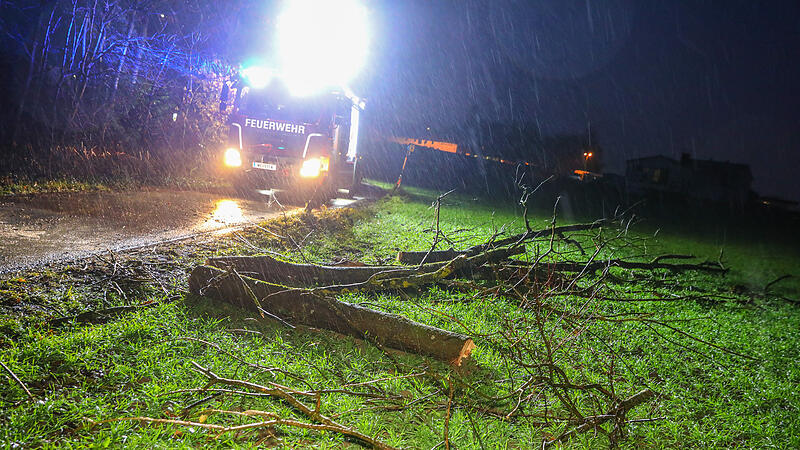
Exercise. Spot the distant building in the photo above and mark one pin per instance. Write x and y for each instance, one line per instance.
(778, 203)
(716, 181)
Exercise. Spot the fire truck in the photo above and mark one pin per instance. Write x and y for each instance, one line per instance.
(294, 119)
(305, 147)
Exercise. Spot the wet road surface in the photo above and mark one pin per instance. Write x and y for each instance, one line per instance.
(49, 227)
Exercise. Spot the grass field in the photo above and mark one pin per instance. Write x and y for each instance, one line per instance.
(131, 365)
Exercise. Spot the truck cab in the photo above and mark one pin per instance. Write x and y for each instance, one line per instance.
(306, 147)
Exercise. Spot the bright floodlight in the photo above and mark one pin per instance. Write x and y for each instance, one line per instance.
(321, 43)
(257, 76)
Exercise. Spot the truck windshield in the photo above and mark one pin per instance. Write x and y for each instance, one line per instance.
(276, 104)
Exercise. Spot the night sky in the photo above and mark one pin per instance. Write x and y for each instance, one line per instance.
(717, 79)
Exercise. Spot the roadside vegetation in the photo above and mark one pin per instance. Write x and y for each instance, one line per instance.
(106, 173)
(9, 186)
(724, 369)
(27, 186)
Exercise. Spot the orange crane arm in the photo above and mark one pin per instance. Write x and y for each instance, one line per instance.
(448, 147)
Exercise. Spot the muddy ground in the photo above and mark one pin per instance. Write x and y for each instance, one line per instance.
(41, 228)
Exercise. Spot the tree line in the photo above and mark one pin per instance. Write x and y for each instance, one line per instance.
(101, 77)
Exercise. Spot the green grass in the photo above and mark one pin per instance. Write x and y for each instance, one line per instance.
(129, 365)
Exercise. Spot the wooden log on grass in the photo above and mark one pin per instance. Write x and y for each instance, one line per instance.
(305, 307)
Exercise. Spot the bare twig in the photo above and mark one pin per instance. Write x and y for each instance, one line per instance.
(437, 204)
(16, 378)
(617, 414)
(283, 393)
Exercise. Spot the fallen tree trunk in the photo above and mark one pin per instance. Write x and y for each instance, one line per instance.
(414, 258)
(305, 307)
(271, 270)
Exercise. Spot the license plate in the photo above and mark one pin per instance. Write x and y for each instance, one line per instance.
(265, 166)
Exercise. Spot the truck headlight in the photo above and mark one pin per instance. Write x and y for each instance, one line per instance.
(312, 167)
(233, 158)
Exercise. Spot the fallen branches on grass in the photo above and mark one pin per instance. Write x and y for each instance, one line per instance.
(413, 258)
(656, 264)
(266, 291)
(557, 290)
(100, 315)
(617, 414)
(320, 422)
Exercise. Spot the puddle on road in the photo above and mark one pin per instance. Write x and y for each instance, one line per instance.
(227, 213)
(343, 202)
(144, 211)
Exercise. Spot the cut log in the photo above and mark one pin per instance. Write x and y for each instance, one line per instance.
(304, 307)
